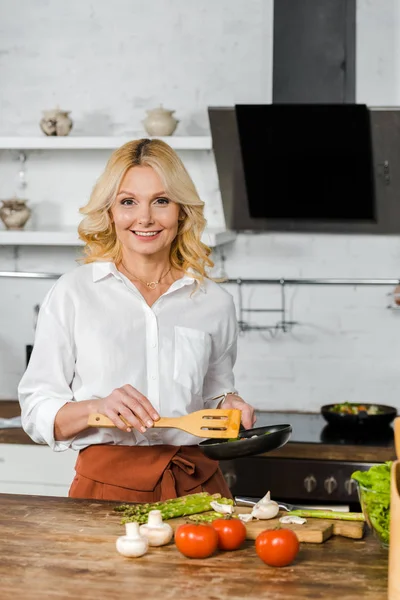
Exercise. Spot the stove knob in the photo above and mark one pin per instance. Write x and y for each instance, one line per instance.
(330, 484)
(310, 483)
(230, 478)
(350, 486)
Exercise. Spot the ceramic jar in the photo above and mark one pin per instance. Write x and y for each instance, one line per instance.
(56, 122)
(14, 213)
(160, 122)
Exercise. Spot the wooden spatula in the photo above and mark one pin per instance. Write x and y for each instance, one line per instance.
(394, 533)
(397, 436)
(211, 423)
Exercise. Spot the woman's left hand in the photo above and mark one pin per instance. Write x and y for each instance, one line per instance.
(248, 416)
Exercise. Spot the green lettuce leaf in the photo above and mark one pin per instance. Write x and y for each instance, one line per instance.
(375, 499)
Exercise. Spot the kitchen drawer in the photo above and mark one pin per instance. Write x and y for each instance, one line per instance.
(35, 464)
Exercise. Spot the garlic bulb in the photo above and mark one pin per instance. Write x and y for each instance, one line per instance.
(155, 530)
(225, 509)
(265, 508)
(132, 544)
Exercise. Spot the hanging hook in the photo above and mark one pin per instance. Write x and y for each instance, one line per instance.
(283, 304)
(242, 325)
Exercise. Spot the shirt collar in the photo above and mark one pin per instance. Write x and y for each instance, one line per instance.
(102, 269)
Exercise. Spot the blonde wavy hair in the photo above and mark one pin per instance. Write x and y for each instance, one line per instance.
(97, 229)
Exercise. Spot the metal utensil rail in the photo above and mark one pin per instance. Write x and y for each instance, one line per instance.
(284, 324)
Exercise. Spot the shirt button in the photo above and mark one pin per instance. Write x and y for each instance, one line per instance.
(154, 377)
(154, 345)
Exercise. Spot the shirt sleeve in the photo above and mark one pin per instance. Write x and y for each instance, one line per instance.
(220, 378)
(46, 384)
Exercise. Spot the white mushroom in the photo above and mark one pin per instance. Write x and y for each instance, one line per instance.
(132, 544)
(155, 530)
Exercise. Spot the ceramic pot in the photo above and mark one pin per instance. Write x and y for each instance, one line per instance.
(14, 213)
(56, 122)
(160, 122)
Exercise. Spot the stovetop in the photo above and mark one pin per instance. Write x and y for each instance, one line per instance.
(311, 428)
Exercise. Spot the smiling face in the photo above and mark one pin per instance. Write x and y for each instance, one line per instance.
(145, 219)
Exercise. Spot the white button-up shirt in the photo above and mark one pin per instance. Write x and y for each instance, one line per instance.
(96, 332)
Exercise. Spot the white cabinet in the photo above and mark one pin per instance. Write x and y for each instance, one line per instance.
(35, 469)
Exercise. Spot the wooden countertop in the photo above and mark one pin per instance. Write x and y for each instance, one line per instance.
(65, 548)
(11, 408)
(373, 454)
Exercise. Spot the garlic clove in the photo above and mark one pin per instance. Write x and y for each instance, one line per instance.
(225, 509)
(293, 519)
(245, 517)
(155, 530)
(132, 544)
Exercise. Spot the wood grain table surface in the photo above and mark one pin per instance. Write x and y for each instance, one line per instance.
(65, 548)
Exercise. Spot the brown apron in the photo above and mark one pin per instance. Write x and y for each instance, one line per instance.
(145, 473)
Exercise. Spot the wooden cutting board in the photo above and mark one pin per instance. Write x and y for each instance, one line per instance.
(350, 529)
(315, 531)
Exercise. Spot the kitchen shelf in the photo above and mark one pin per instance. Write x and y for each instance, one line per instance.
(69, 237)
(71, 142)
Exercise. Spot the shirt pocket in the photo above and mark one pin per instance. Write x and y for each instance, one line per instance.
(192, 355)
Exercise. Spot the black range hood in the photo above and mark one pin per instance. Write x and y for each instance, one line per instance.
(313, 160)
(322, 168)
(307, 161)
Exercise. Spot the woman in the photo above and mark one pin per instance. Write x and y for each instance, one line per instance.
(137, 332)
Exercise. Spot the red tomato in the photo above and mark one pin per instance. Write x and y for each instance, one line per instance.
(277, 547)
(196, 540)
(231, 533)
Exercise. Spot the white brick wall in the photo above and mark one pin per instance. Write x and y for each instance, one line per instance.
(346, 343)
(108, 63)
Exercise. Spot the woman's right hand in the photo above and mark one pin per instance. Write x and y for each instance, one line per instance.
(129, 403)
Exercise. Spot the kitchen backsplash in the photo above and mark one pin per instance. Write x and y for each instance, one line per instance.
(346, 343)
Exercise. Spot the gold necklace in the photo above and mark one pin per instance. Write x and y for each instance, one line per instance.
(150, 284)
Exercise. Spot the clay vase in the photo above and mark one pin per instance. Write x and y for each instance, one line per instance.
(56, 122)
(14, 213)
(160, 122)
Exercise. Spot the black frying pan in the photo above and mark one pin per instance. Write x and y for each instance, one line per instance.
(268, 438)
(345, 421)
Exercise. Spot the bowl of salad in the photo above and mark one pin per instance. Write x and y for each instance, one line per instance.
(374, 495)
(349, 414)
